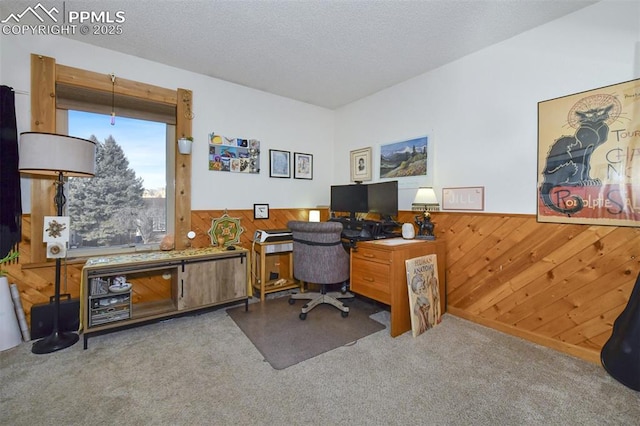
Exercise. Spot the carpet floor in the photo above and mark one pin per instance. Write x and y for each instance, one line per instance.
(285, 340)
(203, 370)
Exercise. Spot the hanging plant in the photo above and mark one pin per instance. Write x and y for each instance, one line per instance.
(184, 144)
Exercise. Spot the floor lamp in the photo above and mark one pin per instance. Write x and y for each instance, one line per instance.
(48, 154)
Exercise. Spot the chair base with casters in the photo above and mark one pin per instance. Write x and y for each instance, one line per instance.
(315, 299)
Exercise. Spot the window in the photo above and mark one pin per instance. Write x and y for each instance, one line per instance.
(125, 206)
(83, 90)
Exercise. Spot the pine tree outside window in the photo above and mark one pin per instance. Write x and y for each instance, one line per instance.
(125, 206)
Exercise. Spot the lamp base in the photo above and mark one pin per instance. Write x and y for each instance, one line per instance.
(425, 237)
(54, 342)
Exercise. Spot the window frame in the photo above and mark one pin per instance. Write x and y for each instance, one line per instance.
(45, 74)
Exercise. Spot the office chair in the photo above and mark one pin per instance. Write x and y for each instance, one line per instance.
(319, 258)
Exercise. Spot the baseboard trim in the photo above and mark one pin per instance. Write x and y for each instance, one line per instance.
(573, 350)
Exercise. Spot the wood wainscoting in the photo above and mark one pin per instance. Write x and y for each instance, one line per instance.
(35, 281)
(561, 286)
(558, 285)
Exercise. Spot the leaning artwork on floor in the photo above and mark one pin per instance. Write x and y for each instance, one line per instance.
(424, 295)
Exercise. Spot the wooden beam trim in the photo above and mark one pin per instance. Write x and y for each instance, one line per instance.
(184, 120)
(43, 119)
(97, 81)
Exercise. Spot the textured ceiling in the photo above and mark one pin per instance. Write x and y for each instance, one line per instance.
(326, 53)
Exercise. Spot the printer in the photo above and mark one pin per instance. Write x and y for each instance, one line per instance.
(272, 235)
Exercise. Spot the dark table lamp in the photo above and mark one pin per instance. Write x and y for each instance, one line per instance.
(48, 154)
(425, 201)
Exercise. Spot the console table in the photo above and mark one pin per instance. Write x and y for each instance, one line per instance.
(378, 271)
(260, 281)
(185, 280)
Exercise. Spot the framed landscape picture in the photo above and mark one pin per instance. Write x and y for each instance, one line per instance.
(409, 161)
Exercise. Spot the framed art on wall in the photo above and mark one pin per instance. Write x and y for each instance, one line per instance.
(261, 211)
(279, 163)
(361, 164)
(225, 230)
(302, 166)
(588, 167)
(409, 161)
(233, 154)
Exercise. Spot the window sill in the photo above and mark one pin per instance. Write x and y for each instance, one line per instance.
(111, 251)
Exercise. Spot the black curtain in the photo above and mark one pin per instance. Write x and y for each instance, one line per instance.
(10, 201)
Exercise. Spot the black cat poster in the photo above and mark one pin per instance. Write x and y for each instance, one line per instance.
(589, 157)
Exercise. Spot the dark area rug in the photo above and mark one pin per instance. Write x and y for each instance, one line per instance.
(284, 339)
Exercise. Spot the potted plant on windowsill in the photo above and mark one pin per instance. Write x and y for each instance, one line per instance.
(184, 144)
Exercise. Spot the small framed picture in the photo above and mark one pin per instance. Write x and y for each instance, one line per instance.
(361, 165)
(302, 166)
(279, 163)
(261, 211)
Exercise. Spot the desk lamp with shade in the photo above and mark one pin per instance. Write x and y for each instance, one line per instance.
(427, 202)
(49, 154)
(314, 215)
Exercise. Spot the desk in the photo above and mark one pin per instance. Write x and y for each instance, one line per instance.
(378, 271)
(259, 279)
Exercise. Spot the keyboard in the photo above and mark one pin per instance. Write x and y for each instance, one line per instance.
(351, 233)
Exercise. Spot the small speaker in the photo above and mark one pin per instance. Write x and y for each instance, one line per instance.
(408, 232)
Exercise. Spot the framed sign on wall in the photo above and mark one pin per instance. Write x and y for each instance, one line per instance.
(463, 198)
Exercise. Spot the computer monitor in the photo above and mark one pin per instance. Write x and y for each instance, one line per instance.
(383, 198)
(349, 198)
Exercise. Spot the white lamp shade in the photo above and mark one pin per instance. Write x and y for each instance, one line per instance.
(50, 154)
(426, 200)
(314, 215)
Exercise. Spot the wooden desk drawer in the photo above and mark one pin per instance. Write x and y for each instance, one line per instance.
(372, 255)
(371, 279)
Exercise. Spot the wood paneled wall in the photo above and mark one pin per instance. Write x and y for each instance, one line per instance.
(561, 286)
(558, 285)
(278, 218)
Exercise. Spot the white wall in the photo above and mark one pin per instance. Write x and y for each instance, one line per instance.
(481, 111)
(225, 108)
